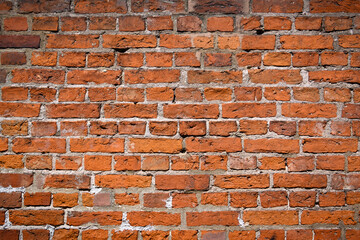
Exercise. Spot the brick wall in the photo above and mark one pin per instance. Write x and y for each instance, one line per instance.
(180, 119)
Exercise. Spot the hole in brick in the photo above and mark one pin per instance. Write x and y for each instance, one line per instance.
(121, 50)
(260, 32)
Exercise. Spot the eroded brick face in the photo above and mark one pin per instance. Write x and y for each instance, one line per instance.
(179, 119)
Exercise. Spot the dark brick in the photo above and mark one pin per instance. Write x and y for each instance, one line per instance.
(25, 41)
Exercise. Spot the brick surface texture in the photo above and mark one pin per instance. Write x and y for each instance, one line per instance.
(179, 119)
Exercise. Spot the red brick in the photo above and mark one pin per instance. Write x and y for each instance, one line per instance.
(308, 23)
(157, 6)
(304, 110)
(248, 93)
(45, 24)
(102, 23)
(242, 181)
(134, 127)
(306, 94)
(271, 217)
(275, 76)
(223, 77)
(15, 24)
(159, 23)
(11, 161)
(73, 24)
(77, 218)
(155, 163)
(228, 42)
(239, 110)
(14, 93)
(129, 41)
(184, 162)
(38, 162)
(19, 41)
(37, 199)
(182, 182)
(312, 128)
(38, 76)
(216, 199)
(327, 217)
(351, 111)
(163, 128)
(36, 234)
(222, 128)
(277, 23)
(36, 217)
(52, 145)
(130, 59)
(103, 128)
(175, 41)
(272, 163)
(264, 42)
(250, 23)
(331, 163)
(72, 41)
(353, 163)
(44, 58)
(243, 199)
(306, 42)
(303, 59)
(225, 218)
(217, 59)
(213, 144)
(277, 59)
(153, 218)
(188, 94)
(330, 199)
(73, 128)
(204, 42)
(101, 59)
(155, 200)
(282, 6)
(191, 111)
(319, 6)
(129, 163)
(99, 234)
(131, 24)
(299, 180)
(242, 163)
(331, 145)
(10, 200)
(129, 199)
(277, 93)
(124, 234)
(72, 94)
(151, 76)
(14, 127)
(191, 59)
(97, 163)
(156, 59)
(302, 199)
(271, 145)
(73, 110)
(67, 181)
(300, 163)
(94, 76)
(13, 58)
(223, 24)
(218, 6)
(65, 199)
(97, 6)
(189, 24)
(286, 128)
(97, 145)
(72, 59)
(122, 181)
(184, 234)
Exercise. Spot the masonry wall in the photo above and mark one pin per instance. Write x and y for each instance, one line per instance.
(180, 119)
